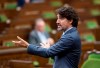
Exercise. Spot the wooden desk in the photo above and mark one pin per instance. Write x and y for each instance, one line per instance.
(19, 53)
(12, 53)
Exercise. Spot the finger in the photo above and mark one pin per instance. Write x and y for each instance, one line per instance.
(22, 40)
(42, 44)
(16, 41)
(19, 38)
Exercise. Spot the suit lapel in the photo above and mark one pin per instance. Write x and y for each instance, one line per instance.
(37, 36)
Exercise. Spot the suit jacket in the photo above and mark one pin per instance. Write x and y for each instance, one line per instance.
(34, 38)
(66, 51)
(20, 3)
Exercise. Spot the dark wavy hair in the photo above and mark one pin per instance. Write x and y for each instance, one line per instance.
(69, 13)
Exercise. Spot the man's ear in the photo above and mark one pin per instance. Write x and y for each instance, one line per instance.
(70, 21)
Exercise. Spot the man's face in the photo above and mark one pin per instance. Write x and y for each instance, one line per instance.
(63, 23)
(40, 26)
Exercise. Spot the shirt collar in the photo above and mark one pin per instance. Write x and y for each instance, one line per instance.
(67, 30)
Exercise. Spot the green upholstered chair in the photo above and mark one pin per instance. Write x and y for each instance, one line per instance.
(49, 15)
(51, 61)
(48, 28)
(88, 37)
(3, 18)
(10, 5)
(95, 12)
(96, 2)
(91, 63)
(36, 64)
(94, 56)
(91, 24)
(56, 3)
(8, 43)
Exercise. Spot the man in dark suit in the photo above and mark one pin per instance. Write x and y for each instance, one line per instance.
(20, 3)
(68, 48)
(39, 34)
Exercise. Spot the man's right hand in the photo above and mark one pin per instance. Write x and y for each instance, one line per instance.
(45, 45)
(21, 42)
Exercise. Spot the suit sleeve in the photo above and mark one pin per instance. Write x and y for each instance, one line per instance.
(65, 43)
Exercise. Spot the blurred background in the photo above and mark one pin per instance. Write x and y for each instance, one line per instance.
(17, 18)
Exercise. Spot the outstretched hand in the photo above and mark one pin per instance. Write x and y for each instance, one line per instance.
(21, 42)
